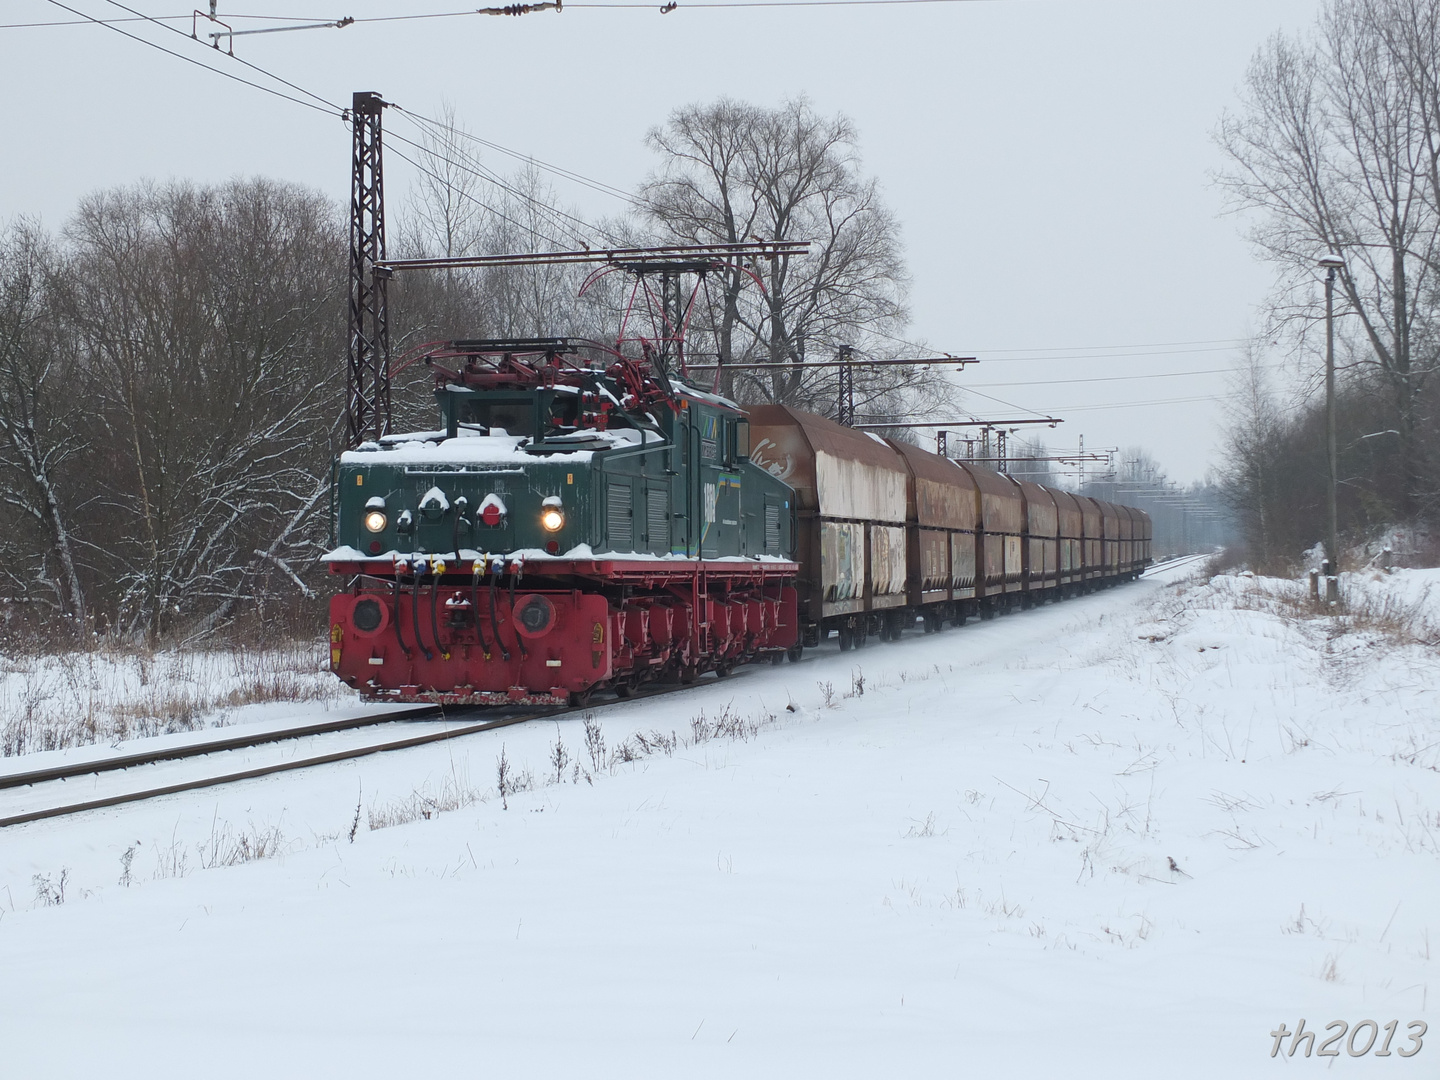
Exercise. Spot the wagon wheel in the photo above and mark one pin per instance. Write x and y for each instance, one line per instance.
(580, 698)
(794, 653)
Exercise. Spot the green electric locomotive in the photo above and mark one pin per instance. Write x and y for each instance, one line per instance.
(569, 526)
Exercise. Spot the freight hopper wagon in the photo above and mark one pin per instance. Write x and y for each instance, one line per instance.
(887, 533)
(566, 528)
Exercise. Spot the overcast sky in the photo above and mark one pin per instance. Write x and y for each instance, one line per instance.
(1049, 160)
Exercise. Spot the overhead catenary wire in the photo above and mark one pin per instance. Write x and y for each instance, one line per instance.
(485, 206)
(324, 106)
(1079, 355)
(1111, 351)
(568, 222)
(568, 174)
(207, 67)
(533, 231)
(476, 168)
(1109, 378)
(1109, 348)
(1142, 404)
(323, 20)
(238, 60)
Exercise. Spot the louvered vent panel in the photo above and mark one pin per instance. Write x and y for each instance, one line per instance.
(772, 527)
(618, 517)
(657, 518)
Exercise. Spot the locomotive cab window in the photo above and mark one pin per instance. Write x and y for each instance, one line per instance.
(742, 440)
(512, 417)
(564, 415)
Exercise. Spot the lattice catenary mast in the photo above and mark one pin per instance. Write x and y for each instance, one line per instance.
(367, 384)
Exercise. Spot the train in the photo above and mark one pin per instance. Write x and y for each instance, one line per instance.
(585, 521)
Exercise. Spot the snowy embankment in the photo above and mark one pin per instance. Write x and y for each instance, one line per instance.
(54, 702)
(1124, 836)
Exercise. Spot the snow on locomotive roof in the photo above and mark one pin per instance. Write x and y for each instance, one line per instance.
(472, 448)
(684, 388)
(347, 554)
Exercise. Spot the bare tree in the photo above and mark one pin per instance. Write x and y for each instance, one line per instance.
(1253, 460)
(732, 172)
(207, 320)
(443, 210)
(1337, 146)
(532, 300)
(41, 431)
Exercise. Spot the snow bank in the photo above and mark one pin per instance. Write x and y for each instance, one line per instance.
(112, 695)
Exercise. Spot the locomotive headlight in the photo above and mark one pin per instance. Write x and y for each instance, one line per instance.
(552, 518)
(375, 521)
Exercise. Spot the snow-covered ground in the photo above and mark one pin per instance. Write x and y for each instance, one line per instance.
(1124, 836)
(50, 702)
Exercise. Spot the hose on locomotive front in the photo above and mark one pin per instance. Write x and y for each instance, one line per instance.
(415, 612)
(475, 605)
(494, 618)
(439, 569)
(515, 623)
(395, 597)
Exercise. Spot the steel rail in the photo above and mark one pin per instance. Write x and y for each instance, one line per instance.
(306, 762)
(1170, 564)
(238, 742)
(263, 770)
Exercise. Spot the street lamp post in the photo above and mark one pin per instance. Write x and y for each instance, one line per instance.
(1331, 264)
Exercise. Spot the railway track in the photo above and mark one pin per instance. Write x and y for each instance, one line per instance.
(59, 774)
(1172, 564)
(212, 746)
(39, 778)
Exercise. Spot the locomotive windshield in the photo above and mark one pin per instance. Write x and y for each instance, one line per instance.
(515, 416)
(492, 414)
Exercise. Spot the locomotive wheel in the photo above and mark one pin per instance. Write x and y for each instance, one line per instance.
(580, 698)
(794, 653)
(723, 669)
(625, 687)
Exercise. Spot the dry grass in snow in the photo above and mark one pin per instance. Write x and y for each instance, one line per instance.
(51, 702)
